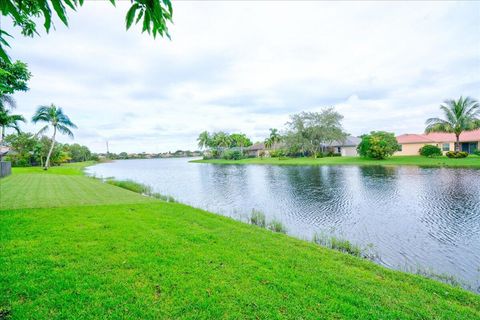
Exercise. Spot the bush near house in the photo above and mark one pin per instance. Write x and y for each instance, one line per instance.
(232, 155)
(277, 153)
(430, 151)
(457, 154)
(378, 145)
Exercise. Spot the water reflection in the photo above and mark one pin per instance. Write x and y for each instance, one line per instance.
(428, 217)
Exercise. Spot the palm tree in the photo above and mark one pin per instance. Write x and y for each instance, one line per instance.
(268, 143)
(460, 115)
(203, 140)
(55, 117)
(275, 137)
(223, 139)
(8, 120)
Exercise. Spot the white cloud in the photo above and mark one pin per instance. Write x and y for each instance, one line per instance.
(246, 66)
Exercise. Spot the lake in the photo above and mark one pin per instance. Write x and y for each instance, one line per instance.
(414, 218)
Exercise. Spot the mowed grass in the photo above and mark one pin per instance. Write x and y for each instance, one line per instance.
(65, 169)
(471, 161)
(150, 259)
(53, 190)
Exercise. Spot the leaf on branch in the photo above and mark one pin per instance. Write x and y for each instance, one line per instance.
(60, 10)
(131, 15)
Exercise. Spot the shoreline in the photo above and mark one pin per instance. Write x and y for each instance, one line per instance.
(472, 162)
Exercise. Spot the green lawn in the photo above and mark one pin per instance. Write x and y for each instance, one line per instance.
(72, 247)
(469, 162)
(66, 169)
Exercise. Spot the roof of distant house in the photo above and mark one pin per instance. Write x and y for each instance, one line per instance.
(256, 146)
(350, 141)
(438, 137)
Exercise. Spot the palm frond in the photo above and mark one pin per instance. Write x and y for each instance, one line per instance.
(64, 119)
(7, 100)
(438, 125)
(42, 131)
(42, 114)
(65, 130)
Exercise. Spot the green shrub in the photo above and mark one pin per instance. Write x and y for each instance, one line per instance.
(215, 154)
(430, 151)
(277, 153)
(456, 154)
(258, 218)
(17, 162)
(378, 145)
(276, 226)
(476, 152)
(333, 154)
(232, 155)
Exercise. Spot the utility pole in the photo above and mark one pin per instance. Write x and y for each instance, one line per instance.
(108, 152)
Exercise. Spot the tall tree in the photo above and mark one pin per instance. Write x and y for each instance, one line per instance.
(203, 140)
(13, 77)
(274, 137)
(222, 139)
(311, 131)
(25, 13)
(54, 117)
(268, 143)
(459, 115)
(240, 140)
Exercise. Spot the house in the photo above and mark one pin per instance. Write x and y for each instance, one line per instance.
(410, 144)
(347, 148)
(255, 150)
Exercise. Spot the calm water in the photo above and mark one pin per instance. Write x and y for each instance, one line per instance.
(426, 218)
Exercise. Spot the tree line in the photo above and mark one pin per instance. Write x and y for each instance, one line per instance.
(32, 150)
(311, 133)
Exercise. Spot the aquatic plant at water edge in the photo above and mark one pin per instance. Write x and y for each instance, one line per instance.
(442, 277)
(276, 226)
(345, 246)
(131, 185)
(162, 197)
(258, 218)
(139, 188)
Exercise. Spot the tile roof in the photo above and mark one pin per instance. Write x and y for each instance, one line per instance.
(438, 137)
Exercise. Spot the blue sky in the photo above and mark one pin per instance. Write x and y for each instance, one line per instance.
(245, 66)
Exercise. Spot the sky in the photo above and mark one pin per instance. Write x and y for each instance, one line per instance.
(246, 66)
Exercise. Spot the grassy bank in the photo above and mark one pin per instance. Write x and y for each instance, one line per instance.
(470, 162)
(73, 247)
(71, 169)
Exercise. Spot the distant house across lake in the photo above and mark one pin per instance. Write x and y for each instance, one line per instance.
(347, 148)
(255, 150)
(411, 143)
